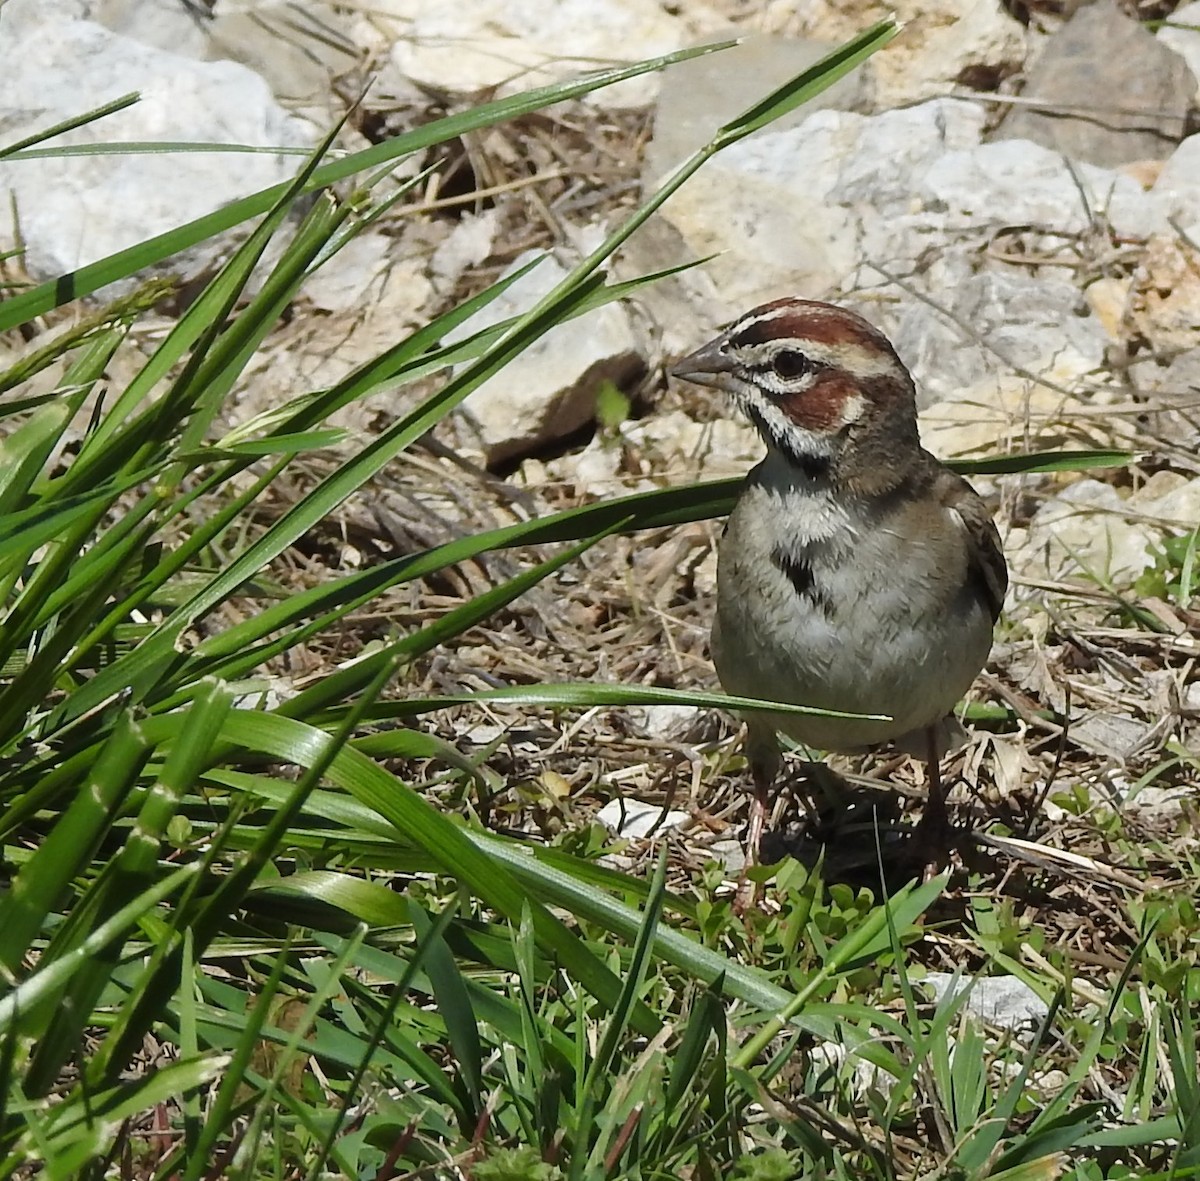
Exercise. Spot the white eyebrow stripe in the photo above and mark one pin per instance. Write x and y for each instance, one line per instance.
(852, 357)
(748, 322)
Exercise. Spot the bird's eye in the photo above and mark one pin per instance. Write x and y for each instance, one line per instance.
(790, 364)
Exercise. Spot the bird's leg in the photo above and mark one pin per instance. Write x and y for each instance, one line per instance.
(933, 830)
(763, 777)
(762, 751)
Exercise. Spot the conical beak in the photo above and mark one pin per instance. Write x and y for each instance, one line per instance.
(706, 366)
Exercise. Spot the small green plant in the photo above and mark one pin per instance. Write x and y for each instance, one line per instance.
(612, 407)
(1175, 571)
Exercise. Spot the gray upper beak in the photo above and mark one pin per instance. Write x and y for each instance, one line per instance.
(706, 366)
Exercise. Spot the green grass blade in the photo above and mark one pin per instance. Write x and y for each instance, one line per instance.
(70, 844)
(75, 121)
(807, 85)
(44, 982)
(85, 280)
(454, 1004)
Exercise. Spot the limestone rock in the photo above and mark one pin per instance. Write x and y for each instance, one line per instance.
(942, 43)
(1002, 326)
(1176, 192)
(508, 46)
(163, 24)
(1184, 41)
(1111, 93)
(1164, 307)
(845, 201)
(700, 95)
(75, 210)
(727, 446)
(1087, 529)
(634, 819)
(783, 212)
(297, 48)
(1005, 1001)
(549, 391)
(970, 43)
(1174, 405)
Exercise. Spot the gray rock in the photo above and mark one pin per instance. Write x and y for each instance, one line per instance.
(1174, 406)
(701, 95)
(786, 212)
(549, 390)
(297, 48)
(1003, 322)
(1088, 529)
(1083, 530)
(1112, 94)
(1109, 735)
(1004, 1001)
(1176, 193)
(1184, 41)
(1161, 805)
(1012, 183)
(162, 24)
(843, 199)
(664, 723)
(942, 43)
(75, 210)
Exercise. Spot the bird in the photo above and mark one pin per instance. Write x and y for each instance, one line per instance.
(856, 573)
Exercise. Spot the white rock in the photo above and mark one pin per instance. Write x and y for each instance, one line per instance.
(1002, 322)
(22, 17)
(509, 46)
(1109, 735)
(634, 819)
(726, 446)
(994, 416)
(729, 853)
(1161, 805)
(812, 210)
(666, 723)
(1085, 530)
(468, 244)
(346, 281)
(369, 297)
(1169, 499)
(783, 211)
(999, 1000)
(549, 390)
(1013, 182)
(1176, 193)
(943, 43)
(75, 210)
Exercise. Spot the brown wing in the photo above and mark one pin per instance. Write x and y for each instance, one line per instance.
(986, 557)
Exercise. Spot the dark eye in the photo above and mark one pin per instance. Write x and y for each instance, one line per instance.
(790, 364)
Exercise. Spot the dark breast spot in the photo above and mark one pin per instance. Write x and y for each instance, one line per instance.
(799, 573)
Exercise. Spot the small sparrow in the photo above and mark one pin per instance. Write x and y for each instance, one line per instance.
(857, 573)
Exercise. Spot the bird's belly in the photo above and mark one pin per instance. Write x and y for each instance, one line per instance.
(857, 649)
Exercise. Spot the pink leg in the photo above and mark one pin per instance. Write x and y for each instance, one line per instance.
(934, 829)
(762, 750)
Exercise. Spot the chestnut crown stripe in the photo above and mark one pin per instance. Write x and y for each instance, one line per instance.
(794, 338)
